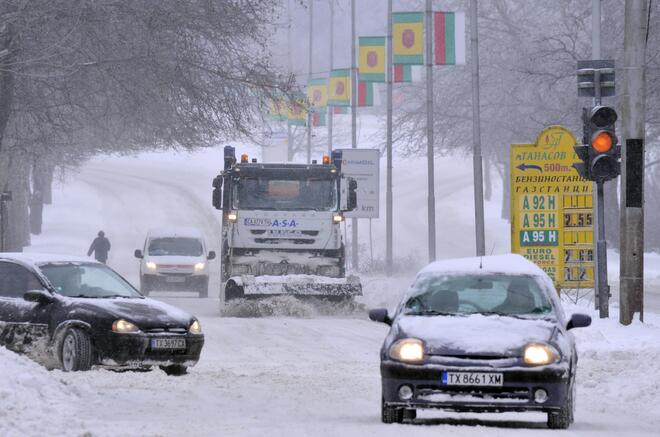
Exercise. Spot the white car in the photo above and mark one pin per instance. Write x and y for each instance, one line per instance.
(174, 259)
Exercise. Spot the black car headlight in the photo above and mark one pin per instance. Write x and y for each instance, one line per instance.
(407, 350)
(195, 328)
(123, 326)
(539, 354)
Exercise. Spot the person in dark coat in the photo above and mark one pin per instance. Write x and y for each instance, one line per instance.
(100, 247)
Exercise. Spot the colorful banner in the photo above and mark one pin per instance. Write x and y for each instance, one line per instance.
(318, 118)
(365, 93)
(277, 109)
(340, 110)
(449, 38)
(402, 73)
(372, 59)
(317, 93)
(339, 92)
(297, 111)
(408, 37)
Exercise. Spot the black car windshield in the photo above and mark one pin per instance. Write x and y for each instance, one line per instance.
(508, 295)
(87, 280)
(285, 194)
(175, 246)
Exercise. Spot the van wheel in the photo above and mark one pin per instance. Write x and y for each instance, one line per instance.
(203, 289)
(76, 351)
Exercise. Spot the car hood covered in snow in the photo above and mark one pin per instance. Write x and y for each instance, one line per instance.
(144, 312)
(475, 334)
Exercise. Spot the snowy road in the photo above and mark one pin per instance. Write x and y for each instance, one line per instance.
(298, 376)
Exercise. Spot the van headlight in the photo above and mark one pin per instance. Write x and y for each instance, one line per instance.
(199, 267)
(408, 350)
(151, 265)
(539, 354)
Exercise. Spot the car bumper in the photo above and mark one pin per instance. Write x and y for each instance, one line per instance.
(516, 393)
(135, 350)
(170, 282)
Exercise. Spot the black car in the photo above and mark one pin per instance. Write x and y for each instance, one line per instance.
(70, 313)
(483, 335)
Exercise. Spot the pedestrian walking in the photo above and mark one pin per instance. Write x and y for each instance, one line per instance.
(100, 247)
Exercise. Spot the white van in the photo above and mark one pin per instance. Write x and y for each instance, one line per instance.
(174, 259)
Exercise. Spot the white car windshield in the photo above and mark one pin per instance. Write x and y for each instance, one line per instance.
(508, 295)
(87, 280)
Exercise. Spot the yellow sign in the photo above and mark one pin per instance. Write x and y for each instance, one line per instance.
(408, 37)
(372, 58)
(552, 209)
(317, 93)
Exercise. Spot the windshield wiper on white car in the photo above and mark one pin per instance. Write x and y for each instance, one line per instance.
(430, 312)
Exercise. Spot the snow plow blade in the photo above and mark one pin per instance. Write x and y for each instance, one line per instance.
(299, 285)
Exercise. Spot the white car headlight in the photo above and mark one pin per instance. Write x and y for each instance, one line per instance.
(199, 267)
(151, 265)
(124, 327)
(408, 350)
(539, 354)
(195, 328)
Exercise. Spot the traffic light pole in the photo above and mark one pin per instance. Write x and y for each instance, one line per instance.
(603, 288)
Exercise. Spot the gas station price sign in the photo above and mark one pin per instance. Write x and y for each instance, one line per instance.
(552, 209)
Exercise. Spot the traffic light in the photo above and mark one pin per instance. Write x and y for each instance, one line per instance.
(599, 152)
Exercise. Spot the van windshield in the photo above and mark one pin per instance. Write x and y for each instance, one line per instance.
(175, 246)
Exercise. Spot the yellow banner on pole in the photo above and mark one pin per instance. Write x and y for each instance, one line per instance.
(317, 93)
(552, 213)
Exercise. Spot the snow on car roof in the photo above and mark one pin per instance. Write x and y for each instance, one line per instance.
(36, 259)
(175, 232)
(512, 264)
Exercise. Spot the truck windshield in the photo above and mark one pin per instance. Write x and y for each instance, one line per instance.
(286, 194)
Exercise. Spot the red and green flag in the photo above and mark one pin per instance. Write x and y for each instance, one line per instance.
(340, 110)
(365, 93)
(318, 118)
(402, 73)
(449, 38)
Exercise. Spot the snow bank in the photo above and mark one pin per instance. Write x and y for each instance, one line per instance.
(33, 399)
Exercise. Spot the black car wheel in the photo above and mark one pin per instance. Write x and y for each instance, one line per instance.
(175, 370)
(391, 414)
(76, 352)
(563, 418)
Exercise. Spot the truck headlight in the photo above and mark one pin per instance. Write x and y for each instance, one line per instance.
(152, 265)
(539, 354)
(199, 267)
(195, 328)
(408, 350)
(123, 326)
(337, 218)
(232, 216)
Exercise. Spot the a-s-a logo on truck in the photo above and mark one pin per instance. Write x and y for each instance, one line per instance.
(284, 223)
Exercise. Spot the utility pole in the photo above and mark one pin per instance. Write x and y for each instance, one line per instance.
(354, 221)
(600, 280)
(429, 128)
(330, 109)
(388, 198)
(289, 140)
(5, 196)
(631, 294)
(476, 135)
(309, 78)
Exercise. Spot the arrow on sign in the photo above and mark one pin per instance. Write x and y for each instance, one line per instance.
(524, 167)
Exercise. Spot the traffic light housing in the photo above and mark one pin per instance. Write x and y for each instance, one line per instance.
(599, 153)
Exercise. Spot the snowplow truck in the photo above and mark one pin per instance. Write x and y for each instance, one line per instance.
(281, 228)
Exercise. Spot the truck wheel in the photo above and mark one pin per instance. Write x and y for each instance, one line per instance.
(76, 351)
(233, 291)
(391, 414)
(174, 370)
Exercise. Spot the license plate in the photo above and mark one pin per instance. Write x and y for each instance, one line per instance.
(473, 379)
(168, 343)
(175, 279)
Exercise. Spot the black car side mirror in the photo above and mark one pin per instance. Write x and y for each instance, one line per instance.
(578, 321)
(380, 315)
(138, 254)
(211, 255)
(39, 296)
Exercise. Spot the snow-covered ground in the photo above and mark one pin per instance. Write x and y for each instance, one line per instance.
(292, 376)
